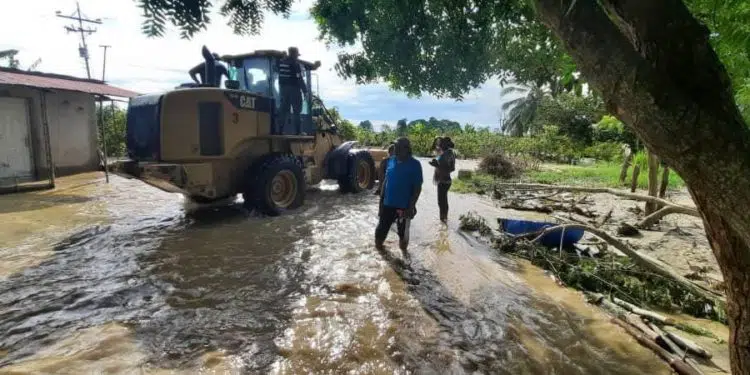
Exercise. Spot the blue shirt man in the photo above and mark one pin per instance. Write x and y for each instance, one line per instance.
(400, 192)
(402, 177)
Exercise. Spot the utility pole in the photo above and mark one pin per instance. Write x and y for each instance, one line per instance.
(104, 63)
(101, 116)
(83, 50)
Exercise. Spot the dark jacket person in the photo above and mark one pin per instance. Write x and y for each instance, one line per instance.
(210, 71)
(444, 164)
(291, 88)
(401, 189)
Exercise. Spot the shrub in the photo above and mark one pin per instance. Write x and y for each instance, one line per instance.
(500, 165)
(606, 151)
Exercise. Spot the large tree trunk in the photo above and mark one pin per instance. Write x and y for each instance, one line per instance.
(654, 66)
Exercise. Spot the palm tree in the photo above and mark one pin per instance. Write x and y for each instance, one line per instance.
(522, 110)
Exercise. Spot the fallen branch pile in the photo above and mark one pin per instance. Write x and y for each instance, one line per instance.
(642, 260)
(647, 328)
(637, 278)
(667, 207)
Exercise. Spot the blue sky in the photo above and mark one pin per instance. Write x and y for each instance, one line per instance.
(147, 65)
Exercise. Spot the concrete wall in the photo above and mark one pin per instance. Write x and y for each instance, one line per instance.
(73, 132)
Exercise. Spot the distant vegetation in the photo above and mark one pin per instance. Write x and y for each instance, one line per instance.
(562, 128)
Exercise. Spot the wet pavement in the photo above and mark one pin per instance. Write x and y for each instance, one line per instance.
(124, 278)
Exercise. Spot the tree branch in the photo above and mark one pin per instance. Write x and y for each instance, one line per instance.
(664, 211)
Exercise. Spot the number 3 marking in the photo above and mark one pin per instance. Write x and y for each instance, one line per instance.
(235, 118)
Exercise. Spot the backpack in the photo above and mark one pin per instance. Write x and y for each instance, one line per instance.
(451, 160)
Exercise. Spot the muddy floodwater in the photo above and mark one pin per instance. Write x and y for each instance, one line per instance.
(125, 278)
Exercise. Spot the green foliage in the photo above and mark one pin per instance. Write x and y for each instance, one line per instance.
(365, 125)
(192, 16)
(641, 159)
(742, 97)
(548, 145)
(729, 22)
(573, 115)
(114, 130)
(610, 129)
(442, 47)
(348, 131)
(620, 277)
(10, 56)
(605, 151)
(599, 174)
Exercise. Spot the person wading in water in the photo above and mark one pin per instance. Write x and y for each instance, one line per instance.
(444, 164)
(400, 192)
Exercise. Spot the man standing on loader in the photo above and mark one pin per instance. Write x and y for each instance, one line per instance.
(210, 70)
(400, 192)
(291, 87)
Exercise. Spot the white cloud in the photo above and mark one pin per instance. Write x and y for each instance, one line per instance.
(147, 65)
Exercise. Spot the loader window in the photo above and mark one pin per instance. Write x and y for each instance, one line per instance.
(257, 76)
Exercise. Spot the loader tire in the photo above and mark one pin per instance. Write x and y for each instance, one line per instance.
(360, 174)
(277, 184)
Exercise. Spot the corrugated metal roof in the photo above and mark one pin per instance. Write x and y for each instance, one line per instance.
(60, 82)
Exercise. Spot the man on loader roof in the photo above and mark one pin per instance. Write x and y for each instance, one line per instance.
(291, 88)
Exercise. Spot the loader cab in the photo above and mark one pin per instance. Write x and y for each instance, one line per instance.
(258, 73)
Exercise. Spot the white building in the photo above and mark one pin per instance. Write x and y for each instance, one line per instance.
(48, 122)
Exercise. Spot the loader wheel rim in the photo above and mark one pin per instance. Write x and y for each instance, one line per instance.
(363, 174)
(283, 188)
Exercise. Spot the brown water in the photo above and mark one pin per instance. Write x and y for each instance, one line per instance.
(124, 278)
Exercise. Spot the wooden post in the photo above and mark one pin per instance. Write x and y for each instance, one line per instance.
(664, 182)
(653, 182)
(634, 183)
(626, 160)
(47, 140)
(104, 142)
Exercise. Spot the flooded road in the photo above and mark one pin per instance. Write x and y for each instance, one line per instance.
(124, 278)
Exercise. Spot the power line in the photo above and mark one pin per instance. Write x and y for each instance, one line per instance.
(83, 50)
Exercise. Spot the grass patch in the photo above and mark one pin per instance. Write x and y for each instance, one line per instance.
(478, 183)
(597, 175)
(600, 175)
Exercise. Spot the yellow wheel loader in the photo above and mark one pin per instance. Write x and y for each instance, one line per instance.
(211, 143)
